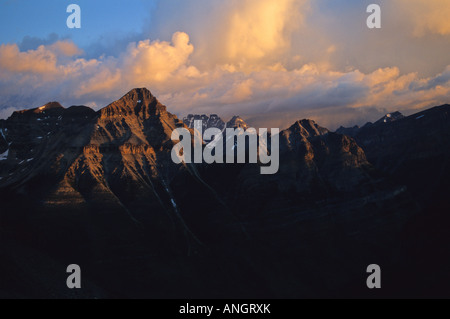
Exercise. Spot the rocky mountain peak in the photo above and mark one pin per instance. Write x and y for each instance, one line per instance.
(349, 131)
(49, 106)
(215, 121)
(354, 131)
(138, 101)
(391, 117)
(308, 128)
(211, 121)
(237, 122)
(138, 93)
(137, 118)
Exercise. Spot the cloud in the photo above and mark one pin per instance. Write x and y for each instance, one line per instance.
(272, 61)
(65, 48)
(37, 61)
(335, 33)
(43, 60)
(277, 97)
(155, 64)
(256, 29)
(149, 62)
(32, 43)
(249, 34)
(165, 67)
(57, 69)
(428, 17)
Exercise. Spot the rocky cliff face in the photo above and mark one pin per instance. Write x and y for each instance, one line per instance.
(100, 189)
(419, 136)
(314, 153)
(87, 155)
(36, 141)
(414, 151)
(125, 158)
(349, 131)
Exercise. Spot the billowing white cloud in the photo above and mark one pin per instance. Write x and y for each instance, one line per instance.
(43, 60)
(257, 29)
(44, 71)
(249, 34)
(155, 64)
(149, 62)
(38, 61)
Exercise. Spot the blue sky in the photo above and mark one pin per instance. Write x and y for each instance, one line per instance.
(270, 61)
(22, 18)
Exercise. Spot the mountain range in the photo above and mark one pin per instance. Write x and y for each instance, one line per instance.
(99, 189)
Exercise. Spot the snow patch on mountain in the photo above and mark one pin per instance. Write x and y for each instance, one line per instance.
(212, 121)
(3, 134)
(391, 117)
(4, 156)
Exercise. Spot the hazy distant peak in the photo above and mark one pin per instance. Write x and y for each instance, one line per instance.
(211, 121)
